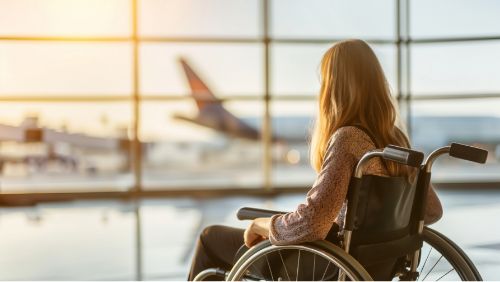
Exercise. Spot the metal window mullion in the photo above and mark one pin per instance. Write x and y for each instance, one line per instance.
(398, 50)
(137, 158)
(455, 96)
(136, 147)
(267, 126)
(290, 40)
(91, 98)
(69, 98)
(408, 67)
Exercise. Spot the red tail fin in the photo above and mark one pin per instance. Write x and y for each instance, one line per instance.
(199, 90)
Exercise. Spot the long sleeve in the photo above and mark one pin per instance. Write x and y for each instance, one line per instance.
(313, 219)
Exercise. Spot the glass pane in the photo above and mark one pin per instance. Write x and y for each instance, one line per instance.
(227, 69)
(476, 122)
(295, 68)
(171, 228)
(454, 18)
(333, 19)
(64, 147)
(455, 68)
(292, 123)
(68, 241)
(65, 18)
(199, 18)
(218, 144)
(166, 255)
(49, 68)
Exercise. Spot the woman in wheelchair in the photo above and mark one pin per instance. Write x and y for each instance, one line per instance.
(356, 114)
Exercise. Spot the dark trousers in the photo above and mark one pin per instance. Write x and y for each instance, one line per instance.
(216, 248)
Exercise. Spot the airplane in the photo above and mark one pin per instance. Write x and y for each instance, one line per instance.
(211, 112)
(46, 147)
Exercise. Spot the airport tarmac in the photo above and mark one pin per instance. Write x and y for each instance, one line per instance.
(152, 239)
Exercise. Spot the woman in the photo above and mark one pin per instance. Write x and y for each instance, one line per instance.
(356, 115)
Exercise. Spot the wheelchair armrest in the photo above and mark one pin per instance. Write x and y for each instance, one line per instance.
(253, 213)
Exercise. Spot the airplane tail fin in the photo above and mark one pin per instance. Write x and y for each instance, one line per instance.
(199, 90)
(216, 116)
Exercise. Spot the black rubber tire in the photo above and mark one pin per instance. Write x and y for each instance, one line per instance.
(453, 254)
(354, 267)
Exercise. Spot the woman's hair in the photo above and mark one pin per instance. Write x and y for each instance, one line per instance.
(354, 91)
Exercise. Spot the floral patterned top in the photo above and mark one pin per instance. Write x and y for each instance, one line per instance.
(325, 201)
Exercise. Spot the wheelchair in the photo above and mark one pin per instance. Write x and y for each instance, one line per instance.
(383, 237)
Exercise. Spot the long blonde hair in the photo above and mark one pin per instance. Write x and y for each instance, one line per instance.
(354, 91)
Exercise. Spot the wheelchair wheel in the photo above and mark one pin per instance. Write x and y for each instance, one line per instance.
(441, 259)
(317, 261)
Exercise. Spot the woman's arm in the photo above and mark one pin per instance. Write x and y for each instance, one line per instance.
(434, 210)
(313, 219)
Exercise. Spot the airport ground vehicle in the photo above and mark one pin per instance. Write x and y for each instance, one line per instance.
(384, 236)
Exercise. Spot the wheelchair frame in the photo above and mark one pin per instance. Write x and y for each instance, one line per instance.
(340, 255)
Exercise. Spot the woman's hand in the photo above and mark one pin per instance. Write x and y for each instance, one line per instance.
(257, 231)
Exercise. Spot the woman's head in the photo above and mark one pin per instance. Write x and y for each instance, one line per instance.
(354, 90)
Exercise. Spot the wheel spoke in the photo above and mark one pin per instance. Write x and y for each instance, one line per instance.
(269, 266)
(283, 262)
(445, 274)
(422, 269)
(314, 266)
(298, 265)
(433, 266)
(324, 273)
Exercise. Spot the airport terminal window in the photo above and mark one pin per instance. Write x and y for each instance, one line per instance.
(65, 69)
(65, 147)
(455, 68)
(321, 19)
(76, 18)
(472, 121)
(448, 18)
(227, 69)
(295, 67)
(108, 72)
(181, 150)
(200, 18)
(292, 123)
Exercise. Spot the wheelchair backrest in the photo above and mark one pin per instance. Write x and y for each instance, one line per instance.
(381, 234)
(384, 209)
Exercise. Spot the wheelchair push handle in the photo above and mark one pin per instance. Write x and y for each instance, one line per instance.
(468, 153)
(247, 213)
(403, 155)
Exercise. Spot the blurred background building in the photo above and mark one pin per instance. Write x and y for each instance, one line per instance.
(137, 115)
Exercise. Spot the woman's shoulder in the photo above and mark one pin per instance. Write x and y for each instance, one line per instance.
(351, 134)
(350, 139)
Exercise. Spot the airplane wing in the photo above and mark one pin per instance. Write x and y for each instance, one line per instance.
(50, 136)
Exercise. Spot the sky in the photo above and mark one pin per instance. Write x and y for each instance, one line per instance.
(79, 68)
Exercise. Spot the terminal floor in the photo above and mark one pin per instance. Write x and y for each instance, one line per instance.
(152, 239)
